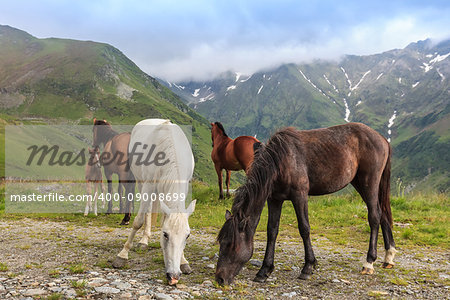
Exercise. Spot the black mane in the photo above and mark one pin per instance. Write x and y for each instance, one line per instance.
(221, 128)
(251, 196)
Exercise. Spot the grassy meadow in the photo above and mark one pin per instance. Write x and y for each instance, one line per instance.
(419, 220)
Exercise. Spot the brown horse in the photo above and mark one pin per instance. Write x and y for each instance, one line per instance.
(229, 154)
(114, 159)
(293, 165)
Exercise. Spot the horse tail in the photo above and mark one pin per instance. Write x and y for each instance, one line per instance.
(385, 189)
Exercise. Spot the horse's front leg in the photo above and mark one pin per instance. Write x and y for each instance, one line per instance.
(109, 196)
(184, 265)
(228, 182)
(89, 192)
(300, 202)
(122, 258)
(272, 232)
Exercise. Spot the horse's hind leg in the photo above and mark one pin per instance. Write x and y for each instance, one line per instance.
(369, 193)
(228, 182)
(143, 243)
(219, 176)
(300, 202)
(389, 244)
(272, 232)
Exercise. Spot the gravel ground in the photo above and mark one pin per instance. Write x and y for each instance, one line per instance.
(63, 260)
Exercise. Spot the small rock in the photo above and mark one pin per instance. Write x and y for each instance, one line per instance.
(145, 297)
(162, 296)
(181, 286)
(107, 290)
(34, 292)
(70, 293)
(211, 266)
(97, 281)
(256, 263)
(207, 283)
(205, 258)
(335, 280)
(55, 289)
(121, 285)
(126, 295)
(290, 295)
(196, 294)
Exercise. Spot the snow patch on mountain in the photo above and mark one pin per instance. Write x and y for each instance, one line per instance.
(415, 84)
(347, 111)
(390, 124)
(332, 85)
(259, 91)
(361, 80)
(314, 86)
(196, 93)
(379, 76)
(231, 87)
(439, 58)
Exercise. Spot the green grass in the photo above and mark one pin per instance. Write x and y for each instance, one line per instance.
(3, 267)
(419, 220)
(76, 268)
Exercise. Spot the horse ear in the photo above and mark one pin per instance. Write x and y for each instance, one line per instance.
(165, 209)
(227, 215)
(191, 207)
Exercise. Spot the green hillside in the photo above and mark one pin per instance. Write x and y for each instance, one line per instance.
(52, 81)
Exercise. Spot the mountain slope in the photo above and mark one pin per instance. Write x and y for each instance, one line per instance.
(404, 94)
(58, 80)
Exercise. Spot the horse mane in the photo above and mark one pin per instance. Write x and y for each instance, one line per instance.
(267, 166)
(221, 128)
(107, 132)
(168, 178)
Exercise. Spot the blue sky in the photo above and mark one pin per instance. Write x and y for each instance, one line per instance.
(198, 39)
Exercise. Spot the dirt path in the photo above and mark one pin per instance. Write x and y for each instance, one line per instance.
(61, 259)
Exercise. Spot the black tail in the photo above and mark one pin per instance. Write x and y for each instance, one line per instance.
(385, 190)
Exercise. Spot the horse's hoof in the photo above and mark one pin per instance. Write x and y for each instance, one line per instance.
(141, 247)
(260, 279)
(387, 265)
(119, 262)
(367, 271)
(185, 269)
(124, 223)
(304, 276)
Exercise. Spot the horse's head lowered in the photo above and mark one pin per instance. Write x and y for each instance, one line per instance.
(175, 231)
(236, 248)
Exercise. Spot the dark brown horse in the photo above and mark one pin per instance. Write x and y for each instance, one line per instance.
(229, 154)
(293, 165)
(114, 159)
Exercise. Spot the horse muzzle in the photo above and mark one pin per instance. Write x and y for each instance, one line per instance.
(172, 278)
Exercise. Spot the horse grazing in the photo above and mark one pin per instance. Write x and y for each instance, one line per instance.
(163, 181)
(293, 165)
(114, 159)
(229, 154)
(93, 176)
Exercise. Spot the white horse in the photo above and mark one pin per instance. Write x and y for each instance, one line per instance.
(161, 160)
